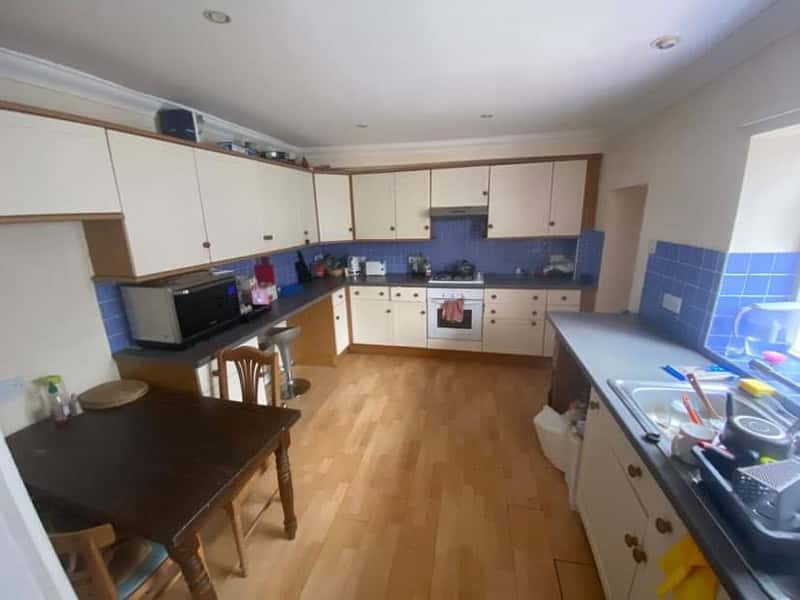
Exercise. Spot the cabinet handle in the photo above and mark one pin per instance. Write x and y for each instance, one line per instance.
(422, 312)
(427, 227)
(206, 244)
(388, 310)
(342, 296)
(533, 323)
(397, 295)
(416, 294)
(494, 296)
(552, 223)
(663, 526)
(308, 242)
(536, 297)
(634, 471)
(391, 228)
(639, 555)
(594, 405)
(380, 293)
(493, 311)
(349, 229)
(485, 192)
(337, 317)
(267, 237)
(492, 321)
(563, 298)
(356, 293)
(631, 541)
(305, 232)
(534, 312)
(490, 226)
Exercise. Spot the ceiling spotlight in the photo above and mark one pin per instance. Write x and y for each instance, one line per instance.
(217, 17)
(362, 125)
(487, 116)
(665, 42)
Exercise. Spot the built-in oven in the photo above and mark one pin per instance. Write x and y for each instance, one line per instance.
(469, 328)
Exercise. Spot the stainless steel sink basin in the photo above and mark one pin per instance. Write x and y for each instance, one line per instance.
(660, 403)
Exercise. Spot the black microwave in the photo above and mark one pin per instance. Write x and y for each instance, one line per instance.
(178, 311)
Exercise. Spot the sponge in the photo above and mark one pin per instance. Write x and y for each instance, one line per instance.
(756, 387)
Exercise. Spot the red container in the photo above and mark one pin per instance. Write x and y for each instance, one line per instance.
(265, 273)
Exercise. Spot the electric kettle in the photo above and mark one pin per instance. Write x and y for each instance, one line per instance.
(768, 326)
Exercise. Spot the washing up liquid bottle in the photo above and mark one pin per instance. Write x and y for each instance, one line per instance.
(59, 409)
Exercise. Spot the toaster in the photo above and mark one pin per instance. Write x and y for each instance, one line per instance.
(375, 267)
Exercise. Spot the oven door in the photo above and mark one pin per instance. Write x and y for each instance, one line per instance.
(470, 328)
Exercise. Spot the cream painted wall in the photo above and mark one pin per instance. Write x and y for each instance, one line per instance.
(49, 316)
(767, 220)
(565, 143)
(692, 156)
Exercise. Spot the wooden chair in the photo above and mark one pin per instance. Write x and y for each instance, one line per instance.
(100, 567)
(251, 364)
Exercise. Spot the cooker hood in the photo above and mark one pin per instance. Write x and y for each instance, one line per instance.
(459, 211)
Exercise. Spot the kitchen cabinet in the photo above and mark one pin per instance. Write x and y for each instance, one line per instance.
(372, 318)
(279, 199)
(301, 185)
(463, 186)
(333, 207)
(50, 166)
(519, 205)
(341, 324)
(390, 206)
(513, 321)
(373, 206)
(566, 205)
(232, 194)
(563, 300)
(409, 324)
(158, 190)
(412, 205)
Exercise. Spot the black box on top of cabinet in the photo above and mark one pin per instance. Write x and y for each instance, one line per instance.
(178, 122)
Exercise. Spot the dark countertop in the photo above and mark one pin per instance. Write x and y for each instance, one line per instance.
(639, 354)
(490, 280)
(203, 351)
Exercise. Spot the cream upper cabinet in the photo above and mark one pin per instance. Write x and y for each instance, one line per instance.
(158, 191)
(373, 206)
(302, 193)
(281, 223)
(49, 166)
(333, 207)
(412, 205)
(566, 206)
(519, 204)
(463, 186)
(232, 192)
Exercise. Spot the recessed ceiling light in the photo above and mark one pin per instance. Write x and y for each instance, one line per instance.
(362, 125)
(665, 42)
(217, 17)
(487, 116)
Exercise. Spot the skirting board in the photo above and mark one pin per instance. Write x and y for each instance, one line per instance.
(538, 362)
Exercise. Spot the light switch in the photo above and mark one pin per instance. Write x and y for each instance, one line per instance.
(672, 303)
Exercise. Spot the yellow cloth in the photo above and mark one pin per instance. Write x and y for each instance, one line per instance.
(688, 575)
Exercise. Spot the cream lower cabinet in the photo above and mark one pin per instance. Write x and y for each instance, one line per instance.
(341, 325)
(513, 321)
(629, 522)
(50, 166)
(371, 310)
(558, 300)
(410, 324)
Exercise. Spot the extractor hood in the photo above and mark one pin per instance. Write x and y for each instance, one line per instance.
(459, 211)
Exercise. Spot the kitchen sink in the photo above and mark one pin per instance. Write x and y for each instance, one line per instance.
(659, 403)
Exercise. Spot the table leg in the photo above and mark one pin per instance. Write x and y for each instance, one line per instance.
(188, 556)
(285, 487)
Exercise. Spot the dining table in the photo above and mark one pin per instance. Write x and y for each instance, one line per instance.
(158, 467)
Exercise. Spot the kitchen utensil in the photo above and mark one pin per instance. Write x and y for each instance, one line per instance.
(112, 394)
(693, 416)
(744, 433)
(354, 265)
(773, 491)
(465, 269)
(275, 155)
(690, 434)
(416, 264)
(710, 411)
(762, 366)
(300, 266)
(768, 326)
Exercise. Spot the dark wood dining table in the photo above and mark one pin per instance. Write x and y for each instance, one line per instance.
(158, 467)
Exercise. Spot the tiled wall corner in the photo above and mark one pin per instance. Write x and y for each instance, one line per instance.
(590, 255)
(109, 299)
(750, 278)
(692, 274)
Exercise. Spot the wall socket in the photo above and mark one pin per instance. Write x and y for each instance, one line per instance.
(672, 303)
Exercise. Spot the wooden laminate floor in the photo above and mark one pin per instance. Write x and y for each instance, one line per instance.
(414, 478)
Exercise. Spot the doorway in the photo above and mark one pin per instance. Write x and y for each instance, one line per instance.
(620, 217)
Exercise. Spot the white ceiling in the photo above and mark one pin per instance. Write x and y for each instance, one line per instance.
(414, 70)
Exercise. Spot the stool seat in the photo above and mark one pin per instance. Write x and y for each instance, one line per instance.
(283, 335)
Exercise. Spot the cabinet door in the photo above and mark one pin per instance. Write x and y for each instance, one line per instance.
(550, 332)
(372, 322)
(412, 204)
(340, 326)
(232, 192)
(664, 529)
(302, 193)
(333, 207)
(373, 206)
(410, 324)
(513, 336)
(49, 166)
(465, 186)
(608, 507)
(158, 191)
(278, 196)
(566, 207)
(520, 200)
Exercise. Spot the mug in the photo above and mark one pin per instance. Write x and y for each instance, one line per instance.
(689, 436)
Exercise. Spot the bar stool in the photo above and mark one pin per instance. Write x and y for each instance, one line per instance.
(282, 338)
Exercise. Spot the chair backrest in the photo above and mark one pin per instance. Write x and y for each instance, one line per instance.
(83, 561)
(251, 364)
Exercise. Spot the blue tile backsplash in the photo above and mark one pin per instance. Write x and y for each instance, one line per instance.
(692, 274)
(452, 240)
